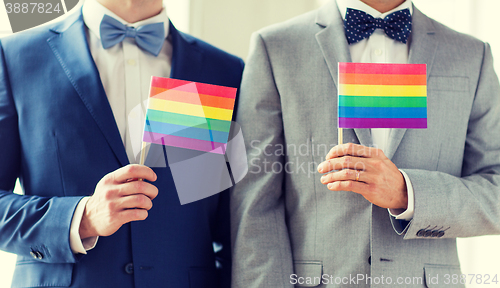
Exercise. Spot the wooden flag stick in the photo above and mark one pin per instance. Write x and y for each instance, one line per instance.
(143, 156)
(143, 153)
(341, 136)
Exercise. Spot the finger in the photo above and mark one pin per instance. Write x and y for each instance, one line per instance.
(353, 186)
(138, 201)
(345, 162)
(138, 187)
(350, 149)
(133, 171)
(130, 215)
(347, 175)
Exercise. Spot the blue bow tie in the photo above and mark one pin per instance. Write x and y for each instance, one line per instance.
(359, 25)
(149, 37)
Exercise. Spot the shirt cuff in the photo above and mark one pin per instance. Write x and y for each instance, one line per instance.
(77, 244)
(407, 214)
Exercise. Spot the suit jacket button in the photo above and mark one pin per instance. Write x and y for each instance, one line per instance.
(129, 268)
(421, 233)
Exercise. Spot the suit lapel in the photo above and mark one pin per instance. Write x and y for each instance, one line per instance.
(186, 58)
(186, 65)
(423, 46)
(72, 51)
(334, 47)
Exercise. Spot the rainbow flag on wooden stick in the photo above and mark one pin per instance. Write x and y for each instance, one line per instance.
(189, 115)
(382, 95)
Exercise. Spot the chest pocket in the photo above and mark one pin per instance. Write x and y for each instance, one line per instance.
(444, 83)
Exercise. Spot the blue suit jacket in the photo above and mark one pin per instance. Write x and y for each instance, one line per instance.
(59, 137)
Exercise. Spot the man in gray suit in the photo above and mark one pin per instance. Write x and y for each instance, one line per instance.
(392, 216)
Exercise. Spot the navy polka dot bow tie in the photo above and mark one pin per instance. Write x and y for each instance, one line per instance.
(360, 25)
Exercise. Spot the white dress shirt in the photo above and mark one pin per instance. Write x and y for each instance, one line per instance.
(379, 48)
(125, 71)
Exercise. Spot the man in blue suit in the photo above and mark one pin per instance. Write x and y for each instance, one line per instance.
(67, 93)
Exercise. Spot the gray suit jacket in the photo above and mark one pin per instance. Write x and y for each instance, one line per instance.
(286, 224)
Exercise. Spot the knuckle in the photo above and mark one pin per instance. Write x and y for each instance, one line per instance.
(333, 165)
(350, 146)
(349, 184)
(139, 201)
(108, 179)
(109, 194)
(348, 173)
(138, 185)
(337, 185)
(359, 166)
(329, 164)
(130, 169)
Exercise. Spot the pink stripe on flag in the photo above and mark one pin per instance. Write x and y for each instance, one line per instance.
(187, 143)
(377, 68)
(410, 123)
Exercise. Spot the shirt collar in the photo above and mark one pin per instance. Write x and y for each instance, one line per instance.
(93, 12)
(359, 5)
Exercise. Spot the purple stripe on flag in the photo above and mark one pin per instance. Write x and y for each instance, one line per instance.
(182, 142)
(410, 123)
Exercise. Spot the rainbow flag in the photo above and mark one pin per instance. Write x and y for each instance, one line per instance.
(189, 115)
(382, 95)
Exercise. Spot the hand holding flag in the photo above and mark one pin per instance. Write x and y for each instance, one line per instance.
(366, 171)
(375, 96)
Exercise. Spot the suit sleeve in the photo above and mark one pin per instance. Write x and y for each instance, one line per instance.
(30, 226)
(261, 247)
(468, 205)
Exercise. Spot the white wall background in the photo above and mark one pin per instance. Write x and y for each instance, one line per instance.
(228, 24)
